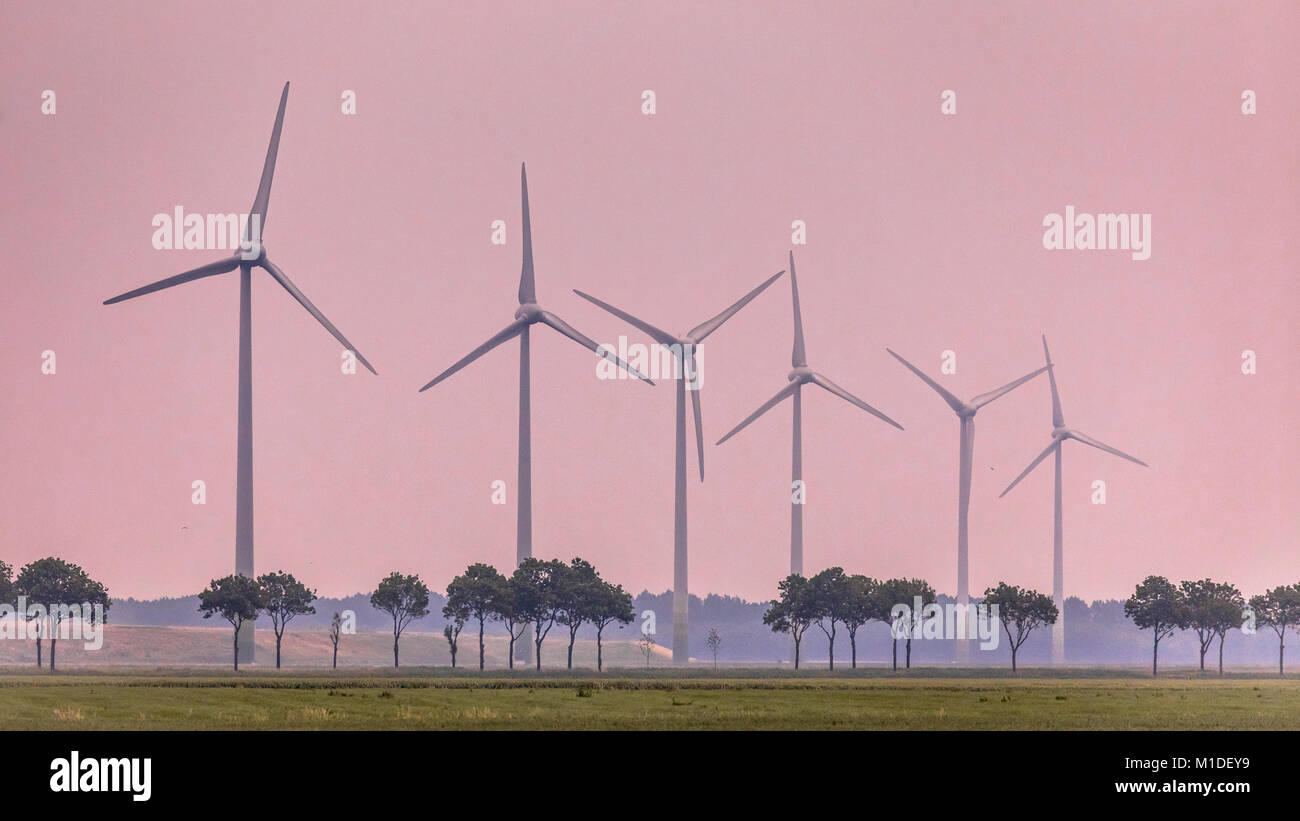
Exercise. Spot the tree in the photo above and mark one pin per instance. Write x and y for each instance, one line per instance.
(793, 612)
(284, 597)
(859, 608)
(1156, 604)
(405, 598)
(1210, 609)
(1279, 609)
(8, 593)
(336, 632)
(647, 644)
(451, 632)
(1022, 609)
(64, 591)
(537, 584)
(714, 640)
(505, 608)
(890, 598)
(576, 589)
(236, 599)
(831, 593)
(611, 603)
(473, 595)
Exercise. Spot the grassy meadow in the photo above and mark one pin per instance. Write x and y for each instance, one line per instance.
(737, 699)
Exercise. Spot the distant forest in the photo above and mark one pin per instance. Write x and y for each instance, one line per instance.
(1096, 633)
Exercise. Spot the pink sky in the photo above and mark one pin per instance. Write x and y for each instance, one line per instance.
(924, 234)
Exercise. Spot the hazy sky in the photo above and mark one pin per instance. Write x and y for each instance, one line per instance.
(924, 233)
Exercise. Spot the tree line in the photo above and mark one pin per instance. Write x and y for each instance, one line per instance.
(55, 587)
(539, 594)
(1209, 609)
(833, 600)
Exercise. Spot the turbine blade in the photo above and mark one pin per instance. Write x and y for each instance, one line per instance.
(268, 172)
(798, 357)
(1040, 457)
(211, 269)
(572, 333)
(1058, 419)
(851, 399)
(509, 332)
(280, 277)
(953, 402)
(660, 336)
(787, 391)
(527, 288)
(699, 421)
(1088, 440)
(704, 329)
(985, 398)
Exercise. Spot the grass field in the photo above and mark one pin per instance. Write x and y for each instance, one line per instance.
(732, 699)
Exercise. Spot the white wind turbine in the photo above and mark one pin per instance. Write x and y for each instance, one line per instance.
(528, 314)
(253, 254)
(683, 349)
(1060, 433)
(798, 377)
(966, 413)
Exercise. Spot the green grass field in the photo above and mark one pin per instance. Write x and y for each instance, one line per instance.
(732, 699)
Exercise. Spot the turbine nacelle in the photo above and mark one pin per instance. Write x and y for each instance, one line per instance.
(530, 312)
(252, 253)
(801, 374)
(1062, 433)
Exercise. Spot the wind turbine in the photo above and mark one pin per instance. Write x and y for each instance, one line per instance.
(528, 314)
(800, 376)
(253, 254)
(966, 413)
(1060, 433)
(683, 348)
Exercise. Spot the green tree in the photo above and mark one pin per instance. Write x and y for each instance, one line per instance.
(283, 598)
(236, 599)
(832, 595)
(611, 603)
(901, 603)
(1279, 609)
(473, 595)
(63, 591)
(537, 595)
(714, 639)
(505, 608)
(8, 593)
(1022, 609)
(336, 632)
(794, 611)
(405, 598)
(1156, 604)
(859, 608)
(1210, 609)
(451, 632)
(577, 590)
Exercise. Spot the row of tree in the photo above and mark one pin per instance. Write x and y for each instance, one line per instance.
(538, 595)
(833, 600)
(60, 590)
(1210, 609)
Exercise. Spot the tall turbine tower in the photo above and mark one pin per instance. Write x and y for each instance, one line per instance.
(1060, 433)
(253, 254)
(965, 452)
(528, 314)
(683, 348)
(800, 376)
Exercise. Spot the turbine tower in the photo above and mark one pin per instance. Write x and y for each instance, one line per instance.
(253, 254)
(965, 453)
(683, 349)
(528, 314)
(1060, 433)
(800, 376)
